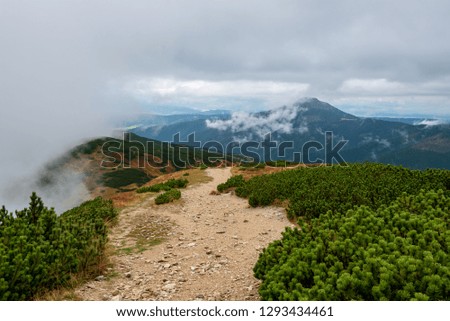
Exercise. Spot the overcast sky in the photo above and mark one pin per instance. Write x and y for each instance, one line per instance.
(68, 68)
(65, 58)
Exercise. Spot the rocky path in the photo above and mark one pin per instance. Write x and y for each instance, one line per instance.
(203, 247)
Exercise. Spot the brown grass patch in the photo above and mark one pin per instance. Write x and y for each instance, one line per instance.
(247, 174)
(198, 176)
(125, 199)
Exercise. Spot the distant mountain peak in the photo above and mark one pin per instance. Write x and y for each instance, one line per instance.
(318, 109)
(308, 100)
(314, 103)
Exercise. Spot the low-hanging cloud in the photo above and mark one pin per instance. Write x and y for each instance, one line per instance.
(51, 98)
(64, 190)
(430, 122)
(280, 120)
(381, 142)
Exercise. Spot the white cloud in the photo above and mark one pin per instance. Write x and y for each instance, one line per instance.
(413, 102)
(384, 143)
(430, 122)
(382, 96)
(371, 86)
(278, 120)
(176, 91)
(246, 88)
(404, 135)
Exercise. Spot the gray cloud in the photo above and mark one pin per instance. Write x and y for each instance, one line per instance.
(321, 43)
(327, 46)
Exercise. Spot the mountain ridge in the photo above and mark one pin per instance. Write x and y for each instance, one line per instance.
(307, 120)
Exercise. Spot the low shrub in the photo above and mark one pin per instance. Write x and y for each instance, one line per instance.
(234, 181)
(166, 186)
(40, 250)
(168, 196)
(397, 252)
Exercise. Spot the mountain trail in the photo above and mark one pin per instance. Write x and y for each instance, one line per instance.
(202, 247)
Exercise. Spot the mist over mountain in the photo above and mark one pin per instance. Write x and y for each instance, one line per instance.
(152, 120)
(419, 144)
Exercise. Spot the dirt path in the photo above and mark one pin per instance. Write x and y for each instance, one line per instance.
(211, 243)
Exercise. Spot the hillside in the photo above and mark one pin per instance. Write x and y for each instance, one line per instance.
(111, 167)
